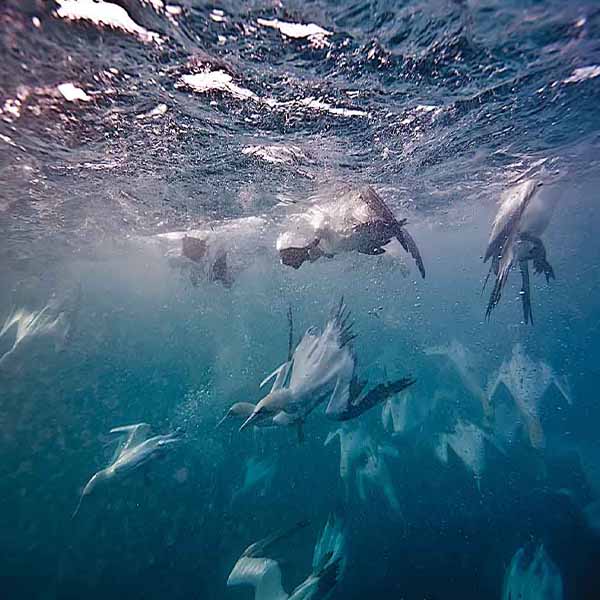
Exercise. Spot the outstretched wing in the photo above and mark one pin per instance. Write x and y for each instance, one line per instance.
(136, 434)
(376, 205)
(409, 244)
(329, 563)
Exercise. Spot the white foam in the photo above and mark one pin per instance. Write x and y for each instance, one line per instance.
(72, 93)
(324, 106)
(218, 16)
(217, 80)
(295, 30)
(275, 154)
(583, 73)
(106, 14)
(157, 111)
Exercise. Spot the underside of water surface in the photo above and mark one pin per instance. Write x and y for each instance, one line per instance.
(189, 190)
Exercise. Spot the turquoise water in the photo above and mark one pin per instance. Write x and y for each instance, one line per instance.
(453, 103)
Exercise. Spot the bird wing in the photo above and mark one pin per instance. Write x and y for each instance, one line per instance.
(494, 383)
(280, 374)
(409, 244)
(562, 385)
(263, 574)
(135, 434)
(506, 223)
(376, 205)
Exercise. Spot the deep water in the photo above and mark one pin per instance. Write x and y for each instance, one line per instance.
(441, 106)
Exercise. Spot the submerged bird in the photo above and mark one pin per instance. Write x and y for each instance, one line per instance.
(527, 381)
(359, 221)
(462, 360)
(362, 461)
(522, 218)
(321, 369)
(136, 450)
(258, 476)
(468, 442)
(259, 567)
(55, 320)
(532, 576)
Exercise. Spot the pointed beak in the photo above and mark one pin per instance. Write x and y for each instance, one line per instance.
(249, 421)
(222, 421)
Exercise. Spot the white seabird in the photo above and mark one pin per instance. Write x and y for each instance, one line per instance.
(527, 381)
(136, 450)
(259, 568)
(522, 218)
(362, 461)
(358, 221)
(321, 368)
(258, 476)
(462, 360)
(55, 320)
(468, 442)
(532, 577)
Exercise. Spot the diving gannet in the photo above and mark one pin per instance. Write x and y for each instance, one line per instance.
(362, 461)
(259, 568)
(136, 450)
(462, 360)
(527, 381)
(522, 218)
(321, 368)
(359, 221)
(258, 476)
(468, 442)
(532, 575)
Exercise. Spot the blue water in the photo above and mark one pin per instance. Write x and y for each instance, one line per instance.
(447, 104)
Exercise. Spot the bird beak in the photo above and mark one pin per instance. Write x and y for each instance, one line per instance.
(222, 421)
(249, 421)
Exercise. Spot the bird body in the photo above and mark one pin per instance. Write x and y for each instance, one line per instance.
(527, 381)
(522, 218)
(359, 220)
(136, 450)
(257, 568)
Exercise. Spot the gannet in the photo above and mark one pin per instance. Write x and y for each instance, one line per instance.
(468, 442)
(258, 476)
(321, 368)
(527, 382)
(522, 218)
(362, 461)
(374, 473)
(356, 444)
(136, 450)
(54, 320)
(532, 576)
(462, 360)
(217, 252)
(259, 568)
(358, 221)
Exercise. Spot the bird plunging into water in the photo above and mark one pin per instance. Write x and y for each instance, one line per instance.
(137, 449)
(527, 381)
(523, 216)
(321, 369)
(259, 567)
(359, 221)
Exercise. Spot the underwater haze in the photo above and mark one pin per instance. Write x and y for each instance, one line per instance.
(128, 127)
